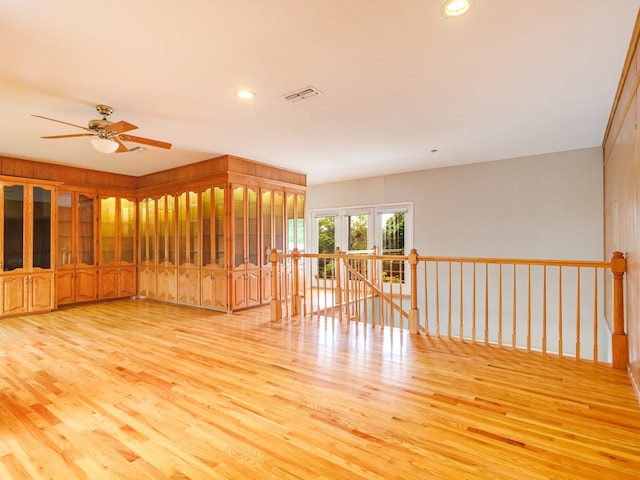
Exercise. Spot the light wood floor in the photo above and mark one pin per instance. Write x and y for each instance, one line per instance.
(141, 390)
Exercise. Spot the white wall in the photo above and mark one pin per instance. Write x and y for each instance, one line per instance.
(544, 206)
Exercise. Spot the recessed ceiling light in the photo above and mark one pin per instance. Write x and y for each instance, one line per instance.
(455, 8)
(245, 94)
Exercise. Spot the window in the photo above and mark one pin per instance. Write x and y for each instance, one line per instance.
(358, 229)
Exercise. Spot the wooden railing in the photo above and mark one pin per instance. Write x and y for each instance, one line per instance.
(552, 306)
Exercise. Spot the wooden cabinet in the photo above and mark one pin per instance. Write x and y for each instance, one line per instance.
(27, 223)
(77, 273)
(206, 240)
(117, 262)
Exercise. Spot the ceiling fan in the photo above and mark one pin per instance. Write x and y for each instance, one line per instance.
(108, 136)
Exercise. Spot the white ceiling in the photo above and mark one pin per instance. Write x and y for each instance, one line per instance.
(512, 78)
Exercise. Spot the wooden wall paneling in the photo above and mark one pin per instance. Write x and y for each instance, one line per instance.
(621, 149)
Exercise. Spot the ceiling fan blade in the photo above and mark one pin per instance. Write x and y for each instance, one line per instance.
(69, 136)
(145, 141)
(121, 127)
(122, 148)
(60, 121)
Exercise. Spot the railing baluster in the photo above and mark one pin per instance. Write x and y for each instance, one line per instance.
(437, 299)
(528, 307)
(473, 325)
(595, 315)
(449, 305)
(578, 301)
(544, 310)
(461, 303)
(560, 311)
(515, 318)
(486, 303)
(500, 289)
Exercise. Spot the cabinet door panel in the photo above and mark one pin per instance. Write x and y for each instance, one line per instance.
(214, 289)
(126, 281)
(238, 290)
(86, 285)
(65, 287)
(14, 294)
(41, 292)
(107, 283)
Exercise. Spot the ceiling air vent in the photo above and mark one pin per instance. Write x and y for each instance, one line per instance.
(301, 94)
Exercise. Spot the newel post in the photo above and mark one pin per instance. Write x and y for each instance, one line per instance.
(276, 303)
(337, 269)
(414, 313)
(296, 306)
(619, 343)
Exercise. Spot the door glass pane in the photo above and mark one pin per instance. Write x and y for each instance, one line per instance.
(252, 226)
(171, 229)
(266, 226)
(278, 222)
(65, 225)
(326, 228)
(127, 230)
(358, 232)
(219, 226)
(194, 230)
(207, 257)
(238, 226)
(85, 230)
(300, 223)
(162, 230)
(41, 255)
(393, 244)
(151, 213)
(291, 227)
(183, 247)
(13, 227)
(143, 235)
(107, 230)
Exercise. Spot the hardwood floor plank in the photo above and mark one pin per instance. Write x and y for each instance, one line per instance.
(142, 390)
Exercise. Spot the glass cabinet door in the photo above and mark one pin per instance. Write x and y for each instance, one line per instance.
(108, 230)
(207, 236)
(127, 230)
(252, 226)
(65, 229)
(162, 232)
(278, 222)
(300, 223)
(41, 228)
(219, 227)
(13, 227)
(86, 240)
(266, 226)
(171, 229)
(143, 233)
(238, 227)
(183, 244)
(194, 230)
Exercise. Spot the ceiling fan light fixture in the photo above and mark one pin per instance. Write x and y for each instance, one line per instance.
(104, 145)
(456, 8)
